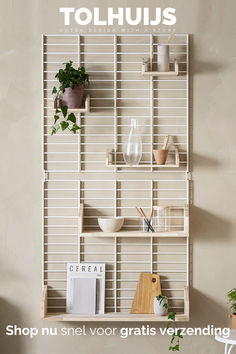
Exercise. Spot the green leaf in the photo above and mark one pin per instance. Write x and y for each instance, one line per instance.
(75, 128)
(55, 129)
(56, 117)
(64, 110)
(166, 306)
(64, 125)
(72, 118)
(58, 111)
(160, 298)
(176, 348)
(54, 90)
(62, 89)
(172, 316)
(179, 333)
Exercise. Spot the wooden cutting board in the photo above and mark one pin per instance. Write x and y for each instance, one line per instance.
(148, 287)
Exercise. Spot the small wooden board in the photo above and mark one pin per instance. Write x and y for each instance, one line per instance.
(148, 287)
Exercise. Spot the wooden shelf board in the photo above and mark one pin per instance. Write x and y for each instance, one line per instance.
(98, 233)
(161, 73)
(112, 317)
(143, 166)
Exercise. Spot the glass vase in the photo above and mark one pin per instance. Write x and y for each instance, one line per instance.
(132, 150)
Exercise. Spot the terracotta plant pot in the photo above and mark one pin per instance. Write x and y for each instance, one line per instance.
(233, 316)
(72, 98)
(160, 156)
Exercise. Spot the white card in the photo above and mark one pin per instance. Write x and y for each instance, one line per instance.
(82, 296)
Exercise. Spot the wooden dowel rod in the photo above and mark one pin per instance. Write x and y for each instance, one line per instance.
(166, 142)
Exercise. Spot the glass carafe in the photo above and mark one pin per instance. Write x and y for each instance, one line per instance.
(132, 150)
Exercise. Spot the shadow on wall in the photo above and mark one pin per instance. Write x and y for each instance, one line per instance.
(204, 161)
(9, 315)
(202, 67)
(207, 311)
(205, 227)
(208, 226)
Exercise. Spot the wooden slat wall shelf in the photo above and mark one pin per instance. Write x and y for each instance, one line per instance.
(77, 171)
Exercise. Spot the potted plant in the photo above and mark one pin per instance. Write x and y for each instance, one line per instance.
(72, 82)
(64, 120)
(160, 305)
(231, 295)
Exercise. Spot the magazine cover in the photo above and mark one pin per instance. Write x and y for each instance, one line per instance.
(118, 177)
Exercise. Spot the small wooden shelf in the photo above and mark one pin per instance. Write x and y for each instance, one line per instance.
(137, 234)
(110, 163)
(160, 73)
(141, 166)
(111, 316)
(85, 109)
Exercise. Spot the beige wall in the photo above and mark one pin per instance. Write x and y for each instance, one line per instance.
(213, 226)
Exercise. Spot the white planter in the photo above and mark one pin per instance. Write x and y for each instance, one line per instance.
(159, 308)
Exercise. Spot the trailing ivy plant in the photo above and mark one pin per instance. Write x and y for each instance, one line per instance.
(69, 77)
(176, 336)
(231, 295)
(64, 120)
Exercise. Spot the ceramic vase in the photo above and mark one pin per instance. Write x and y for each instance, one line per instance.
(72, 98)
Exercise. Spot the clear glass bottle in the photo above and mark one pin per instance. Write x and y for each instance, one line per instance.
(132, 150)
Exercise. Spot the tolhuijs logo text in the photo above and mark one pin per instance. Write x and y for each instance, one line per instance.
(121, 16)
